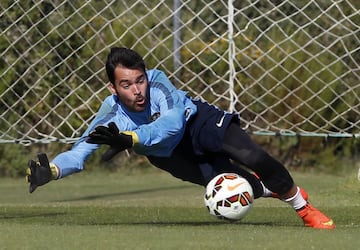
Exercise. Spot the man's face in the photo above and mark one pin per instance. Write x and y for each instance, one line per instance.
(130, 87)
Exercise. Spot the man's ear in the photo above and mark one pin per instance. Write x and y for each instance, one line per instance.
(112, 88)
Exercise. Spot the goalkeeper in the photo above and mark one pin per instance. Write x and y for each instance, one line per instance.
(189, 138)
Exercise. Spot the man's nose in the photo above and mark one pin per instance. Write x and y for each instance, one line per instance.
(136, 89)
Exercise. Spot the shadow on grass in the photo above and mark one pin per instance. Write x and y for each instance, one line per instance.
(119, 194)
(30, 214)
(75, 217)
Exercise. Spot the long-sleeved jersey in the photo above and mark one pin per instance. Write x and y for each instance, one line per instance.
(159, 127)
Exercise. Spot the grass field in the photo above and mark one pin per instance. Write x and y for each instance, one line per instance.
(151, 210)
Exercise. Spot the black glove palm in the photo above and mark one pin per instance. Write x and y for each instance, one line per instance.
(38, 173)
(110, 136)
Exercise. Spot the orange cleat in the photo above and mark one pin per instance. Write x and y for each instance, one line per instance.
(312, 217)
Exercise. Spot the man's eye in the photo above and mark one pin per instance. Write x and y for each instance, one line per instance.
(141, 80)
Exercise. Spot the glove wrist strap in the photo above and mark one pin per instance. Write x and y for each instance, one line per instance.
(134, 136)
(54, 171)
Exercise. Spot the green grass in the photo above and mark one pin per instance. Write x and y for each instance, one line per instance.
(151, 210)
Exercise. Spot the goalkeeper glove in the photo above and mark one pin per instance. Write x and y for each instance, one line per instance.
(111, 136)
(41, 172)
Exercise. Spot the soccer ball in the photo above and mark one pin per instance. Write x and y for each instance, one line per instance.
(229, 196)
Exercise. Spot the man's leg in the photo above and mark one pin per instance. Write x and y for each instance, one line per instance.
(182, 164)
(240, 147)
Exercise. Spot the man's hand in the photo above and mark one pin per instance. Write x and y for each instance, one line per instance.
(110, 136)
(39, 173)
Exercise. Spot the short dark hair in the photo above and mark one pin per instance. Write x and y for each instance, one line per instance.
(124, 57)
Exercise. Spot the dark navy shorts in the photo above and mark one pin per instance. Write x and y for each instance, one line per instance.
(207, 128)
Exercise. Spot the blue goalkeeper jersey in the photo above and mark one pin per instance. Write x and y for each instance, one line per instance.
(159, 127)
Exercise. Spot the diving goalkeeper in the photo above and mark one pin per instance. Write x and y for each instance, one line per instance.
(189, 138)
